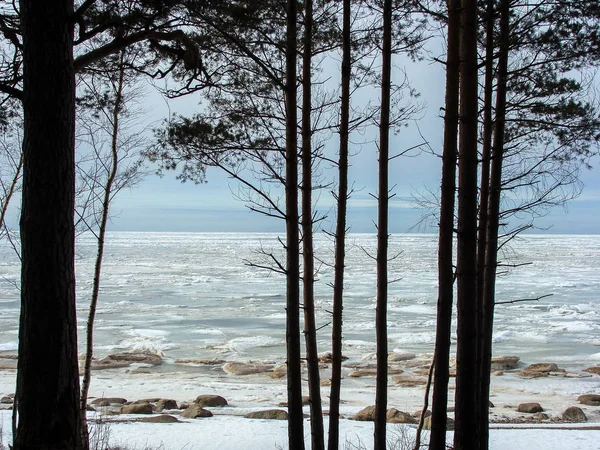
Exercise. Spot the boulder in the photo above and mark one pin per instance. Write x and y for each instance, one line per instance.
(505, 362)
(109, 401)
(107, 363)
(540, 416)
(326, 382)
(574, 414)
(144, 400)
(373, 372)
(409, 381)
(589, 399)
(394, 416)
(165, 403)
(427, 423)
(6, 400)
(162, 418)
(139, 408)
(529, 408)
(195, 411)
(268, 414)
(278, 372)
(210, 400)
(595, 370)
(239, 368)
(205, 362)
(305, 401)
(542, 367)
(136, 357)
(400, 356)
(327, 357)
(418, 413)
(366, 414)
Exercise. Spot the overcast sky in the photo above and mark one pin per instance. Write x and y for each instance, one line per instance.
(165, 204)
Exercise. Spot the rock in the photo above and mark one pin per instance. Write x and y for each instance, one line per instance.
(589, 399)
(136, 357)
(6, 400)
(540, 416)
(165, 403)
(542, 367)
(9, 356)
(574, 414)
(400, 356)
(327, 357)
(107, 363)
(490, 404)
(497, 373)
(529, 408)
(409, 381)
(326, 382)
(418, 413)
(395, 416)
(239, 368)
(162, 418)
(210, 400)
(305, 401)
(373, 372)
(505, 362)
(278, 372)
(109, 401)
(195, 411)
(532, 374)
(366, 414)
(140, 408)
(145, 400)
(139, 371)
(427, 423)
(595, 370)
(206, 362)
(268, 414)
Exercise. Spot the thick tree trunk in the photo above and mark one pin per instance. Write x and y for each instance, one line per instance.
(340, 239)
(310, 329)
(382, 234)
(294, 380)
(483, 210)
(437, 439)
(87, 373)
(47, 393)
(466, 370)
(491, 256)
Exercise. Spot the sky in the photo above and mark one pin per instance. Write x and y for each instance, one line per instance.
(166, 204)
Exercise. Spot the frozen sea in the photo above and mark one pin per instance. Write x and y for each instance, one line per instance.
(201, 295)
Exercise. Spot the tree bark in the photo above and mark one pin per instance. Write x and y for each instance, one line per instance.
(466, 370)
(47, 393)
(446, 234)
(382, 234)
(310, 329)
(340, 239)
(294, 380)
(491, 256)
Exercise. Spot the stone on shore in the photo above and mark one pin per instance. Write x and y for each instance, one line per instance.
(139, 408)
(505, 362)
(366, 414)
(327, 357)
(268, 414)
(108, 363)
(239, 368)
(589, 399)
(539, 370)
(109, 401)
(400, 356)
(210, 400)
(594, 370)
(166, 403)
(373, 372)
(427, 423)
(195, 411)
(136, 357)
(162, 418)
(278, 372)
(540, 416)
(530, 408)
(203, 362)
(574, 414)
(409, 381)
(395, 416)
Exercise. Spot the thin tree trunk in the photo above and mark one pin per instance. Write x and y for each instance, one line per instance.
(294, 380)
(11, 191)
(382, 234)
(87, 374)
(437, 439)
(483, 208)
(310, 329)
(466, 370)
(340, 239)
(493, 222)
(47, 393)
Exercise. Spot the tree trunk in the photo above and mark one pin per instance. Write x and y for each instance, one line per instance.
(491, 257)
(466, 370)
(382, 233)
(437, 439)
(310, 329)
(47, 394)
(483, 210)
(87, 374)
(294, 380)
(340, 239)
